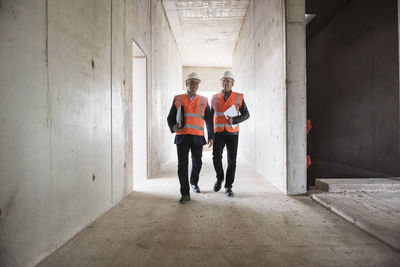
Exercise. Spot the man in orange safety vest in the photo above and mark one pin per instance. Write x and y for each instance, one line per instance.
(228, 109)
(194, 110)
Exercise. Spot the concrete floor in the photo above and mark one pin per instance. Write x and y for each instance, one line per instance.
(378, 213)
(259, 227)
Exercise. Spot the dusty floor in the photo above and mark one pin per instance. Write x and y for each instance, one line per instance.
(258, 227)
(378, 213)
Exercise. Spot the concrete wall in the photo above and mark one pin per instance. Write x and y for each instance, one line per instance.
(210, 77)
(166, 78)
(66, 114)
(259, 62)
(296, 97)
(353, 92)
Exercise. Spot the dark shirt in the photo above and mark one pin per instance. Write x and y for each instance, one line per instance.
(244, 113)
(197, 139)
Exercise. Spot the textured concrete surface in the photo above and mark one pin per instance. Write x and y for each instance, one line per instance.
(243, 68)
(358, 184)
(166, 69)
(377, 213)
(66, 114)
(206, 31)
(56, 124)
(269, 62)
(296, 97)
(259, 64)
(210, 77)
(353, 92)
(260, 226)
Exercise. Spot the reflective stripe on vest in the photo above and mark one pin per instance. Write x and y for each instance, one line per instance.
(237, 101)
(215, 102)
(193, 127)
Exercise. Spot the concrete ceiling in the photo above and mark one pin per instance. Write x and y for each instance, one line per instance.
(206, 31)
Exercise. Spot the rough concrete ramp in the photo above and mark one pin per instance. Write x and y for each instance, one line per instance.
(359, 184)
(378, 213)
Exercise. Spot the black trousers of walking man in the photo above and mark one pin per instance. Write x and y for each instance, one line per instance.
(231, 143)
(183, 149)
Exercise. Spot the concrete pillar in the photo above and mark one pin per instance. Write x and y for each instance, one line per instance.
(296, 97)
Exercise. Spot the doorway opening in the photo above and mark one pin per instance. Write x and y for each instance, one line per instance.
(353, 90)
(139, 115)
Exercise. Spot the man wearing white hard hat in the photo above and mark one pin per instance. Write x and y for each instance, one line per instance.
(186, 118)
(228, 109)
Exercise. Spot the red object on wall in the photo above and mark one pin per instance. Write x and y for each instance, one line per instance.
(308, 130)
(308, 126)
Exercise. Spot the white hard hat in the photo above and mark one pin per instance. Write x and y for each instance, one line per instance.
(194, 76)
(228, 74)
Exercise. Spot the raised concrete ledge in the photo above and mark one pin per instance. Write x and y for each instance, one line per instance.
(359, 184)
(377, 213)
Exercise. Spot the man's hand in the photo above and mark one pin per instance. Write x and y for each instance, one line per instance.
(229, 120)
(210, 142)
(176, 129)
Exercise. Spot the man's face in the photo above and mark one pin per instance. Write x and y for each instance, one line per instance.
(192, 85)
(227, 84)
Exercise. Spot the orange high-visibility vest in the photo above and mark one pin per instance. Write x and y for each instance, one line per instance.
(220, 106)
(194, 113)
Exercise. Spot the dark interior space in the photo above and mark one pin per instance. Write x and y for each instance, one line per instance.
(353, 89)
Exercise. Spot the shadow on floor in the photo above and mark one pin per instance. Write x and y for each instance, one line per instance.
(259, 227)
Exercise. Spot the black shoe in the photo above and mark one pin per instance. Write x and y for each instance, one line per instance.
(195, 187)
(184, 199)
(228, 192)
(217, 186)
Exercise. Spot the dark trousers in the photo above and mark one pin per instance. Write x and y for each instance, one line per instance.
(183, 161)
(231, 142)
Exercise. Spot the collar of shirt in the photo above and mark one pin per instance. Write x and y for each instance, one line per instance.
(190, 97)
(227, 94)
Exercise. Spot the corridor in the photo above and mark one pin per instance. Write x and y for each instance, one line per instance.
(258, 227)
(88, 164)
